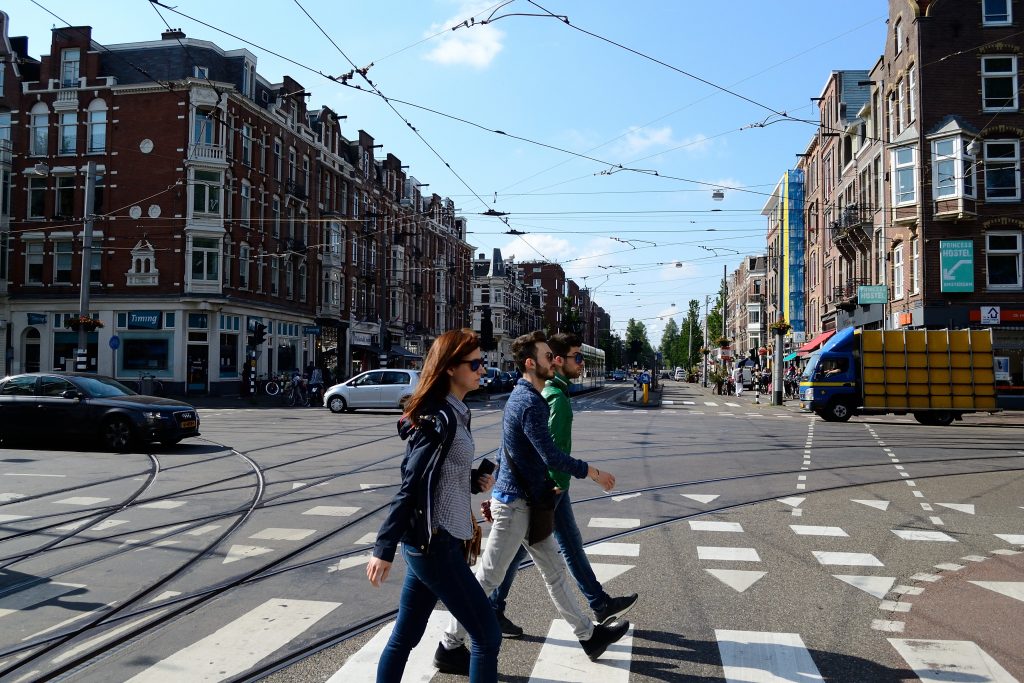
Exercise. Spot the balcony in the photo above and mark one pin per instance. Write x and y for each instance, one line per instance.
(198, 151)
(296, 189)
(954, 209)
(845, 295)
(851, 232)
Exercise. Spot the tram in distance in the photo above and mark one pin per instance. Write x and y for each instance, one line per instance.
(593, 370)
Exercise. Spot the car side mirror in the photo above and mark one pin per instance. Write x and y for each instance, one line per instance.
(72, 393)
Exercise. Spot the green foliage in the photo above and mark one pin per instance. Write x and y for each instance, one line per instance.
(638, 347)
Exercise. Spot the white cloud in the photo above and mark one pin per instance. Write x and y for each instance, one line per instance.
(649, 142)
(553, 248)
(475, 46)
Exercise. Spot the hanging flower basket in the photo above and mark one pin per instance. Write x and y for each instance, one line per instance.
(723, 342)
(780, 326)
(83, 322)
(705, 350)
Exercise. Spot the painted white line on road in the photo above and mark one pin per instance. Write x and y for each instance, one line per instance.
(203, 530)
(918, 494)
(80, 500)
(925, 576)
(240, 644)
(797, 512)
(331, 511)
(87, 645)
(909, 482)
(616, 549)
(109, 524)
(974, 558)
(700, 525)
(899, 467)
(732, 405)
(926, 507)
(72, 620)
(28, 474)
(727, 554)
(163, 504)
(804, 530)
(907, 590)
(1006, 551)
(921, 535)
(668, 403)
(894, 606)
(167, 530)
(737, 579)
(846, 559)
(1012, 539)
(765, 657)
(802, 477)
(959, 507)
(938, 661)
(710, 404)
(613, 523)
(700, 497)
(689, 403)
(887, 626)
(792, 501)
(801, 487)
(882, 505)
(949, 566)
(362, 666)
(877, 586)
(240, 552)
(367, 539)
(1011, 589)
(278, 534)
(619, 499)
(562, 659)
(346, 562)
(606, 572)
(15, 518)
(166, 595)
(8, 497)
(937, 521)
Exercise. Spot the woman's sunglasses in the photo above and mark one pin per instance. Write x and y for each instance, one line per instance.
(474, 364)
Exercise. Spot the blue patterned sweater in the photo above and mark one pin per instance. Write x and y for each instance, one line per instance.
(526, 440)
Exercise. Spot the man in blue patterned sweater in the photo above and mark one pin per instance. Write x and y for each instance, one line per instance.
(527, 443)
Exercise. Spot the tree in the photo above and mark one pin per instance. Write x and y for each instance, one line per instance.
(691, 338)
(669, 343)
(572, 321)
(612, 345)
(715, 317)
(637, 345)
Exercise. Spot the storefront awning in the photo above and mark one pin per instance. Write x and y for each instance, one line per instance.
(402, 352)
(816, 342)
(789, 357)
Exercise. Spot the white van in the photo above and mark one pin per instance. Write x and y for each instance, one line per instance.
(680, 375)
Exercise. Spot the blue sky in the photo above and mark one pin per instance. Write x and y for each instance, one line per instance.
(620, 233)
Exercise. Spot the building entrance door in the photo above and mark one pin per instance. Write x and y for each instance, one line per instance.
(197, 368)
(30, 351)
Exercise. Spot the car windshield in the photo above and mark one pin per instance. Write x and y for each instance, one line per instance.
(103, 387)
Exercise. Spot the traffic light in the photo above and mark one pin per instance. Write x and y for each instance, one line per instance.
(259, 334)
(486, 331)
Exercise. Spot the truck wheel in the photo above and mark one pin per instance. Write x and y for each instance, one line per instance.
(838, 411)
(924, 418)
(943, 418)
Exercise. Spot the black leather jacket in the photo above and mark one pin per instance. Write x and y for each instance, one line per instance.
(410, 518)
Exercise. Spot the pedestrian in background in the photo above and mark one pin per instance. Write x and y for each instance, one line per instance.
(568, 365)
(527, 453)
(316, 387)
(737, 377)
(432, 514)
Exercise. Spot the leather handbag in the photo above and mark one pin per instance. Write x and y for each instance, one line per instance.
(542, 506)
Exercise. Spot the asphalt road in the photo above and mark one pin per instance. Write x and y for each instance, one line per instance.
(765, 545)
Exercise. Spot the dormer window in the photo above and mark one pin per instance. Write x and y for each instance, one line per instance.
(201, 72)
(70, 61)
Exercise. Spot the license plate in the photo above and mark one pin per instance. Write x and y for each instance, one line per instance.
(188, 424)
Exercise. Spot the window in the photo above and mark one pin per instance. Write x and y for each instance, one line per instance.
(915, 266)
(243, 266)
(5, 124)
(302, 282)
(911, 85)
(905, 187)
(901, 111)
(62, 253)
(1003, 260)
(69, 67)
(897, 272)
(754, 316)
(68, 132)
(34, 263)
(277, 159)
(897, 36)
(259, 272)
(247, 144)
(275, 215)
(202, 133)
(37, 197)
(999, 83)
(39, 121)
(274, 274)
(96, 268)
(200, 72)
(291, 164)
(246, 199)
(65, 196)
(289, 279)
(206, 189)
(205, 259)
(226, 270)
(97, 127)
(996, 12)
(1002, 174)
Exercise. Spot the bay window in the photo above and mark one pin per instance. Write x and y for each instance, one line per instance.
(953, 169)
(206, 259)
(206, 191)
(1003, 260)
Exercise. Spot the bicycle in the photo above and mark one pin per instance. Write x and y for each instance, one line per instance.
(156, 387)
(272, 386)
(295, 394)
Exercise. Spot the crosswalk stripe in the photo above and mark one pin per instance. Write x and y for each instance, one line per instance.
(562, 659)
(732, 405)
(240, 644)
(935, 661)
(711, 404)
(704, 525)
(765, 657)
(609, 548)
(362, 666)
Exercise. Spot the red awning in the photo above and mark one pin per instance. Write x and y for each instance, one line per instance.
(816, 342)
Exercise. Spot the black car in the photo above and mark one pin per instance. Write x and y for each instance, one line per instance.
(82, 406)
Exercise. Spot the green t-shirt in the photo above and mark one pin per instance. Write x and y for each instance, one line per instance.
(556, 393)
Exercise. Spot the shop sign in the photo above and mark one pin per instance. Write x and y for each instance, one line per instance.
(362, 339)
(990, 315)
(957, 265)
(144, 320)
(872, 294)
(311, 329)
(36, 318)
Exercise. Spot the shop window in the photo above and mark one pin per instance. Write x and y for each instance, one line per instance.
(228, 355)
(145, 354)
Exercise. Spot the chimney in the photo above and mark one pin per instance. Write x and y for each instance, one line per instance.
(172, 34)
(482, 256)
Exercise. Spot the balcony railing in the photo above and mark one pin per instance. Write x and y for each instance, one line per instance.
(203, 152)
(297, 189)
(848, 290)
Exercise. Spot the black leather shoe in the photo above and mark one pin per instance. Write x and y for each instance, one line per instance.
(453, 661)
(508, 628)
(615, 608)
(603, 637)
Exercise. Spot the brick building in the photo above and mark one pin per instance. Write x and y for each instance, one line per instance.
(221, 201)
(746, 324)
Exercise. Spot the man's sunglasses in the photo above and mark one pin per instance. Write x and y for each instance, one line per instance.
(474, 364)
(578, 357)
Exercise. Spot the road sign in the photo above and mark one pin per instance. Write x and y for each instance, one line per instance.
(872, 294)
(957, 265)
(990, 315)
(115, 342)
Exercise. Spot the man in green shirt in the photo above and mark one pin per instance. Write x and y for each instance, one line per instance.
(568, 365)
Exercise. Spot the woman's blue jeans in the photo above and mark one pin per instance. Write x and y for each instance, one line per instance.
(442, 574)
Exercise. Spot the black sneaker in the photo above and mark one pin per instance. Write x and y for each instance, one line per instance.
(615, 608)
(453, 661)
(603, 637)
(508, 629)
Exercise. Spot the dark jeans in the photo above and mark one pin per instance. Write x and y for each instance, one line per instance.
(567, 533)
(442, 574)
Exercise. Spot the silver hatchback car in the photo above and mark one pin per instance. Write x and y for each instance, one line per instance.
(384, 388)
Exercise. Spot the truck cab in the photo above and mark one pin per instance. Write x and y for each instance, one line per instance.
(829, 384)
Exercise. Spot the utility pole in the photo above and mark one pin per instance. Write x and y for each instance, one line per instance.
(707, 301)
(82, 353)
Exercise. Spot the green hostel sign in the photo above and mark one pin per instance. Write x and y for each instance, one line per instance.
(956, 260)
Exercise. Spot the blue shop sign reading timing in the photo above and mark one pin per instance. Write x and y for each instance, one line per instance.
(144, 320)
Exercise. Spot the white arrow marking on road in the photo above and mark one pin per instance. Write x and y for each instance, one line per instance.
(238, 552)
(764, 657)
(882, 505)
(792, 501)
(876, 586)
(298, 485)
(561, 659)
(166, 595)
(619, 499)
(607, 572)
(935, 661)
(959, 507)
(700, 497)
(346, 562)
(370, 487)
(737, 579)
(1011, 589)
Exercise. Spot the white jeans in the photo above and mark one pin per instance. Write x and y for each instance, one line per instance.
(508, 532)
